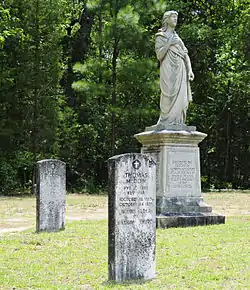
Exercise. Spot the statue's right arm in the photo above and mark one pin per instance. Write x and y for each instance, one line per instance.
(161, 48)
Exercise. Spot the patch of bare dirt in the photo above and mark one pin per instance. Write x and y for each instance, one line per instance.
(229, 203)
(11, 230)
(97, 214)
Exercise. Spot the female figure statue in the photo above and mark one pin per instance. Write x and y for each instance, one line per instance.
(175, 73)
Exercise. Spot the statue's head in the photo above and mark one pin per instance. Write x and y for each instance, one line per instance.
(169, 19)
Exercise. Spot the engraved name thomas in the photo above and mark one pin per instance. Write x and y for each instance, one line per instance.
(136, 177)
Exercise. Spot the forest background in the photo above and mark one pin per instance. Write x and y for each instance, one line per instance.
(79, 78)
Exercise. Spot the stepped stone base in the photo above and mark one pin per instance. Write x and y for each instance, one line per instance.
(181, 204)
(172, 220)
(179, 201)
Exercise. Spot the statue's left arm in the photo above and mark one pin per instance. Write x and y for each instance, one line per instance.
(189, 67)
(188, 62)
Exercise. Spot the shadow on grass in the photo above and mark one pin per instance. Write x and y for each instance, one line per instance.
(114, 284)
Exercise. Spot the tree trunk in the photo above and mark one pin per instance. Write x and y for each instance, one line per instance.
(76, 50)
(113, 99)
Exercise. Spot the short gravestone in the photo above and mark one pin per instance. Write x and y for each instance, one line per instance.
(132, 218)
(51, 195)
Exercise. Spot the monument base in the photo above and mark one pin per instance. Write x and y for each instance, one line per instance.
(188, 220)
(171, 127)
(179, 202)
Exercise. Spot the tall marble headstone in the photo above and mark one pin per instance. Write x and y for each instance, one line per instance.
(51, 195)
(132, 219)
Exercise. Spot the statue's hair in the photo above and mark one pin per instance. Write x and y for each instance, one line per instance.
(166, 16)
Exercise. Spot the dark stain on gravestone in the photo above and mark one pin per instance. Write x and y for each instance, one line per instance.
(151, 162)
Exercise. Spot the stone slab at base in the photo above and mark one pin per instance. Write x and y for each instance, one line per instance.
(188, 220)
(181, 204)
(171, 127)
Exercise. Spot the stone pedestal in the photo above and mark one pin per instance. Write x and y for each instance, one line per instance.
(178, 186)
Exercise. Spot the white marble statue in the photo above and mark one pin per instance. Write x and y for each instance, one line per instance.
(175, 73)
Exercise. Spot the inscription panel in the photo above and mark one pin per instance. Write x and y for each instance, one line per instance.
(183, 172)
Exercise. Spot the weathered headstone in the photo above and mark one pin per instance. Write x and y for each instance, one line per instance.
(132, 219)
(51, 195)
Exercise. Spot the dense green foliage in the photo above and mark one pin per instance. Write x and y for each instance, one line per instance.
(80, 78)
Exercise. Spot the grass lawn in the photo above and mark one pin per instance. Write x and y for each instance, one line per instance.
(211, 257)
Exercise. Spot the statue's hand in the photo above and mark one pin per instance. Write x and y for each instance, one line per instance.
(191, 76)
(173, 40)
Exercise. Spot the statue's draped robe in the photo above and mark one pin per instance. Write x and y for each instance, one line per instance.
(174, 83)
